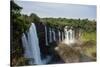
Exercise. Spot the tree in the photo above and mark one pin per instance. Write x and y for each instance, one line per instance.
(34, 17)
(19, 24)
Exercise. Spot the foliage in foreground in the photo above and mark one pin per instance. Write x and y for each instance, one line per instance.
(86, 36)
(89, 48)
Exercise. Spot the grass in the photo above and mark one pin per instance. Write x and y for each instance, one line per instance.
(20, 61)
(89, 44)
(89, 48)
(88, 36)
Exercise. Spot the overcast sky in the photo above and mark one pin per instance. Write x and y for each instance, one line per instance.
(43, 9)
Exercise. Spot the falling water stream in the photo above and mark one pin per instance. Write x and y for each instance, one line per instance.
(31, 43)
(69, 36)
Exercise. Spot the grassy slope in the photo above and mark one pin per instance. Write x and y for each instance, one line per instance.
(89, 46)
(88, 36)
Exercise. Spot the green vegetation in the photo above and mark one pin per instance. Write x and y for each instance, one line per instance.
(83, 24)
(88, 36)
(20, 23)
(89, 49)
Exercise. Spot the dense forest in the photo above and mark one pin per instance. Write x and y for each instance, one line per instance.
(21, 22)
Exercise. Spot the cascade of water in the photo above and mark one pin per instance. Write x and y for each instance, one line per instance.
(73, 36)
(62, 36)
(59, 35)
(65, 31)
(32, 46)
(46, 40)
(50, 35)
(27, 53)
(54, 36)
(31, 43)
(70, 31)
(69, 35)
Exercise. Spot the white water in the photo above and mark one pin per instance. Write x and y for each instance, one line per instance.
(69, 36)
(62, 36)
(50, 35)
(46, 40)
(54, 35)
(59, 33)
(27, 53)
(32, 46)
(73, 36)
(31, 43)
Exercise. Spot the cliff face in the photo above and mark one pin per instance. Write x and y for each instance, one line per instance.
(40, 27)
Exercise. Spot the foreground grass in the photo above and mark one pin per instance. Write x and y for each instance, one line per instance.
(89, 44)
(88, 36)
(19, 61)
(89, 48)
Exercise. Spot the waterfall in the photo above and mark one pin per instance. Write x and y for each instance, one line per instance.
(46, 40)
(27, 53)
(73, 36)
(59, 33)
(62, 36)
(69, 35)
(54, 36)
(31, 43)
(32, 46)
(66, 35)
(70, 31)
(50, 35)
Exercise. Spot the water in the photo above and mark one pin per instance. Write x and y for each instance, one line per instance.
(46, 40)
(62, 36)
(73, 36)
(31, 43)
(54, 35)
(50, 35)
(69, 35)
(32, 46)
(66, 35)
(59, 33)
(27, 53)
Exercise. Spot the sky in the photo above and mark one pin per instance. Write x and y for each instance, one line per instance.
(44, 9)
